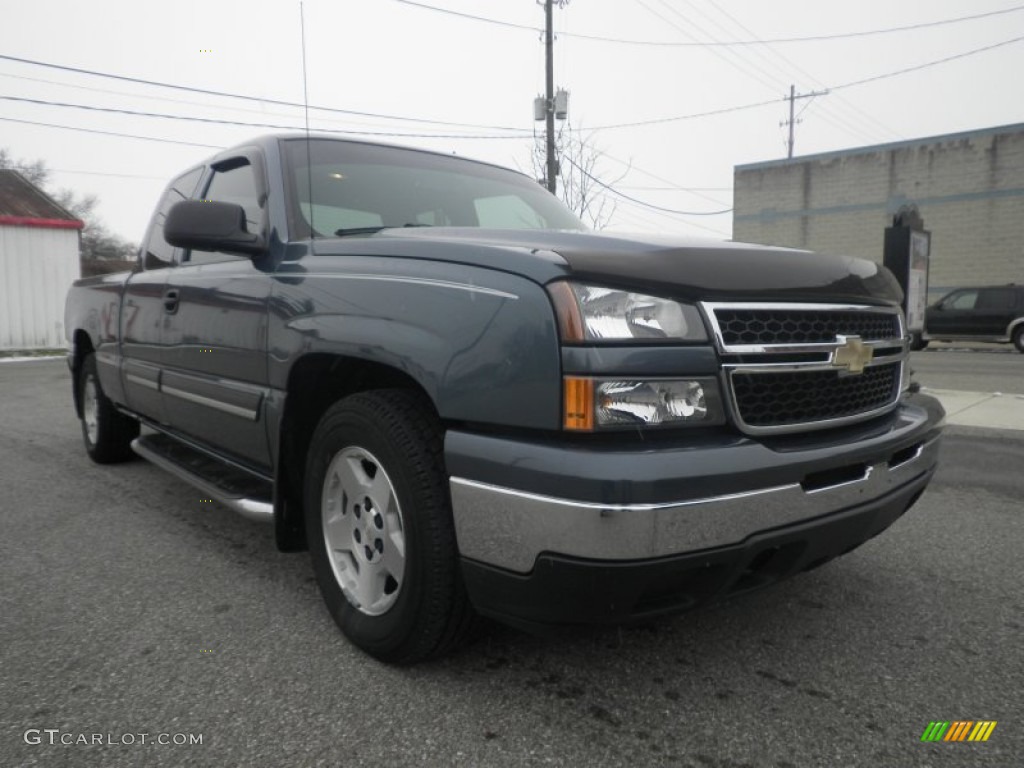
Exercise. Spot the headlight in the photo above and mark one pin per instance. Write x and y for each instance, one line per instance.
(597, 403)
(593, 313)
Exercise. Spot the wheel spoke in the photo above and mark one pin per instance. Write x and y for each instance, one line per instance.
(338, 530)
(396, 536)
(381, 492)
(369, 588)
(392, 561)
(352, 476)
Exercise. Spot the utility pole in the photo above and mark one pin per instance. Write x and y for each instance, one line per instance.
(793, 96)
(554, 105)
(549, 117)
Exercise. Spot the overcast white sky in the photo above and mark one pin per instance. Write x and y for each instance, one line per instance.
(393, 58)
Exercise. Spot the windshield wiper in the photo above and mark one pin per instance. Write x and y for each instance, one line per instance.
(372, 230)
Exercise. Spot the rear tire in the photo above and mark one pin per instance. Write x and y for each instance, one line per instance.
(107, 432)
(917, 343)
(380, 529)
(1018, 337)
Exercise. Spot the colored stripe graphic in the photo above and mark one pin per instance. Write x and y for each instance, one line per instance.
(958, 730)
(982, 730)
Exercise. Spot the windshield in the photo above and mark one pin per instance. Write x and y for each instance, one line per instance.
(360, 188)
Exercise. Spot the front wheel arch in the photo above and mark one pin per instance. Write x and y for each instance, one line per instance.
(315, 383)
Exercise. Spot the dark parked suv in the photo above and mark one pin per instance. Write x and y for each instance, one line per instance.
(993, 313)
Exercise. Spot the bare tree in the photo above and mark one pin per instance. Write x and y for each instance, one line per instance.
(580, 185)
(97, 241)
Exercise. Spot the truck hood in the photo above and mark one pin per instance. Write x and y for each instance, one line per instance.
(685, 268)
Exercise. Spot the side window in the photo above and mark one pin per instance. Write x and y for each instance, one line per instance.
(235, 185)
(962, 300)
(157, 252)
(997, 299)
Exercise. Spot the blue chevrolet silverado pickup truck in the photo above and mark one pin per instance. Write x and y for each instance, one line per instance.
(427, 373)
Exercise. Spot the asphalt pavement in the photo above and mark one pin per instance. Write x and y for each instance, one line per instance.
(128, 607)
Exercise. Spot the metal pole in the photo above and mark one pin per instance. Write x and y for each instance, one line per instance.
(792, 101)
(549, 39)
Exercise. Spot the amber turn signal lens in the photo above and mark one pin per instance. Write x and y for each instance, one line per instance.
(579, 404)
(570, 322)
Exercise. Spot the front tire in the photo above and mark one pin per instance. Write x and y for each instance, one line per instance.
(380, 528)
(1018, 337)
(107, 432)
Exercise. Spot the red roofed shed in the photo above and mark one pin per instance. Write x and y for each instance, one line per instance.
(39, 259)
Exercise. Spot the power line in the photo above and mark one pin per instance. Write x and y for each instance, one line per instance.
(171, 100)
(113, 133)
(697, 191)
(494, 22)
(692, 116)
(213, 121)
(843, 106)
(850, 84)
(643, 188)
(641, 212)
(623, 195)
(752, 69)
(727, 55)
(917, 67)
(277, 102)
(756, 70)
(101, 173)
(633, 124)
(720, 43)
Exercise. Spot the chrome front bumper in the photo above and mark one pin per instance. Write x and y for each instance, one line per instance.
(509, 528)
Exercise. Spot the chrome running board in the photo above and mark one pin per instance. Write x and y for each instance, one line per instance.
(236, 490)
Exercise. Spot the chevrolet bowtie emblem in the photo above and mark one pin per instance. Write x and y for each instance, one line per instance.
(851, 354)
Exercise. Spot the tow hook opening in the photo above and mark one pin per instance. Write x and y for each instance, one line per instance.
(767, 566)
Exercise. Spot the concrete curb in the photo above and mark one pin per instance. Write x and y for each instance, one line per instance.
(30, 359)
(991, 410)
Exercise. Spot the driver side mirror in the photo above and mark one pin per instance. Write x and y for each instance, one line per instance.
(209, 225)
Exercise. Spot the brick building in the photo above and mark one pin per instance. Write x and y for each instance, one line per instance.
(969, 188)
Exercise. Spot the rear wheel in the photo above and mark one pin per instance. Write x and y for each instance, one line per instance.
(107, 432)
(380, 529)
(917, 343)
(1018, 337)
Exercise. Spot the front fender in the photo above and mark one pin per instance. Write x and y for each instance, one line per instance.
(480, 342)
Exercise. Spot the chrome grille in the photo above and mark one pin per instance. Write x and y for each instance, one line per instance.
(787, 367)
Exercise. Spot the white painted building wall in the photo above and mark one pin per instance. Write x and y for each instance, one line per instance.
(37, 266)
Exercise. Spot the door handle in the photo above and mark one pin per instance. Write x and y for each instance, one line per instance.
(171, 300)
